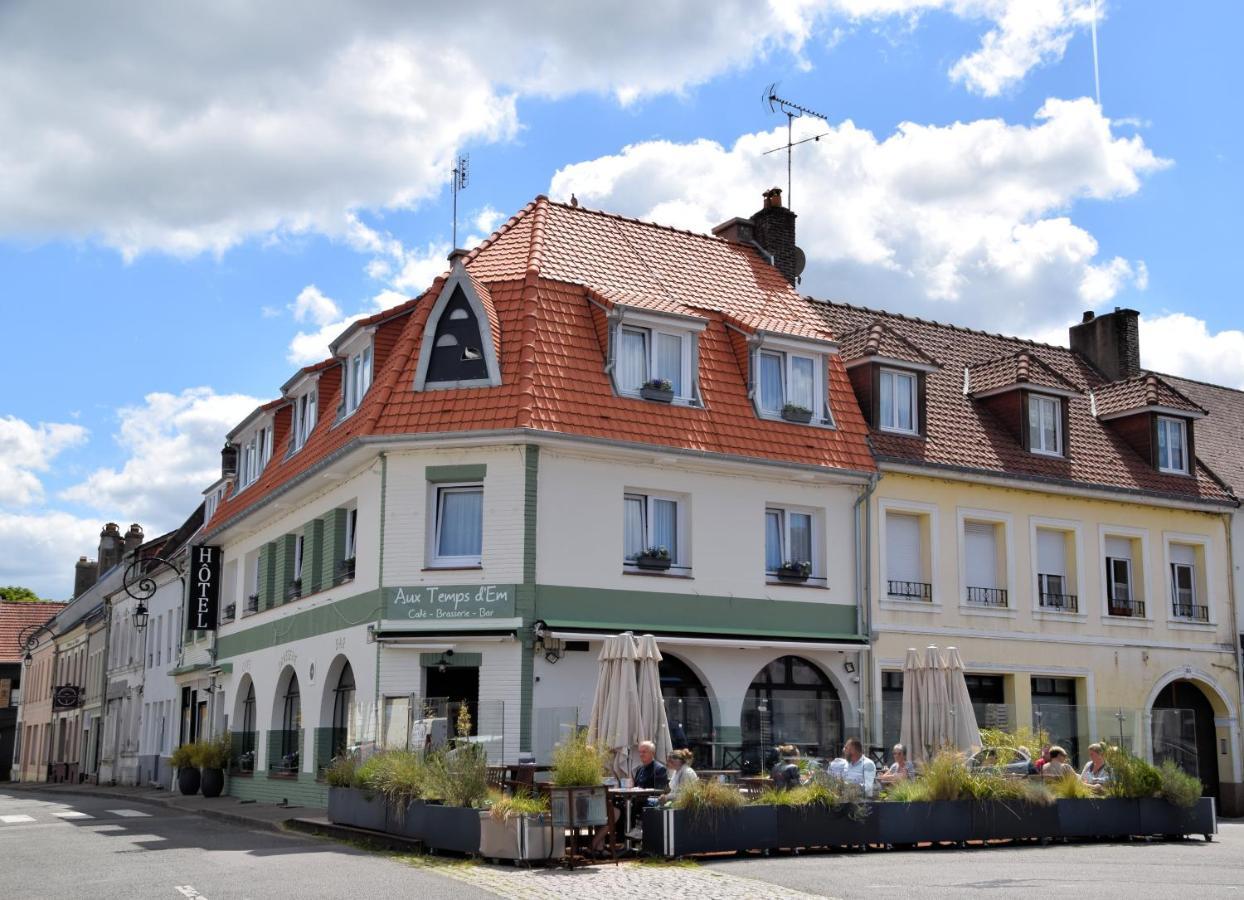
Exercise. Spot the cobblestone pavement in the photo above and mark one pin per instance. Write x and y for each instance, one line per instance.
(686, 882)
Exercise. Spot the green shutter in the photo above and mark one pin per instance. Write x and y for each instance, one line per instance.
(267, 575)
(313, 557)
(464, 472)
(333, 544)
(284, 565)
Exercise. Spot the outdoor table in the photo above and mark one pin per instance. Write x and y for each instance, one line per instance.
(627, 796)
(728, 775)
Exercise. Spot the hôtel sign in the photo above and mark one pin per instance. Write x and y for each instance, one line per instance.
(448, 602)
(204, 588)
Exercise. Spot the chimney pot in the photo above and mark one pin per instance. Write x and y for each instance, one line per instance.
(1088, 316)
(228, 461)
(457, 258)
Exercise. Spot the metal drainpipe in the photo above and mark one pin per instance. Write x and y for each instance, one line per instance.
(863, 608)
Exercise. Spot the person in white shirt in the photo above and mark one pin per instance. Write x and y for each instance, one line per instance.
(678, 764)
(860, 769)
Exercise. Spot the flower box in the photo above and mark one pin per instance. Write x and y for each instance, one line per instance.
(658, 394)
(356, 808)
(345, 570)
(520, 837)
(796, 573)
(1157, 817)
(796, 414)
(653, 562)
(294, 591)
(818, 825)
(453, 828)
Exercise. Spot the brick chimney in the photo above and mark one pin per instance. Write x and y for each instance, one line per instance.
(228, 461)
(85, 574)
(1111, 342)
(133, 538)
(774, 229)
(111, 547)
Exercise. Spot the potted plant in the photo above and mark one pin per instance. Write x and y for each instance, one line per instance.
(212, 757)
(352, 799)
(294, 591)
(252, 603)
(658, 389)
(345, 570)
(519, 826)
(455, 786)
(793, 412)
(794, 571)
(230, 612)
(188, 776)
(384, 795)
(577, 795)
(825, 812)
(654, 559)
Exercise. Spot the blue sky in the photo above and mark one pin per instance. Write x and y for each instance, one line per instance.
(175, 188)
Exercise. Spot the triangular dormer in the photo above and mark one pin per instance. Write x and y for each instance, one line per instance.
(1154, 418)
(460, 337)
(1028, 396)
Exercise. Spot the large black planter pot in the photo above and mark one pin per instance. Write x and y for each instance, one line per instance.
(677, 832)
(454, 828)
(1105, 818)
(1157, 817)
(998, 820)
(213, 782)
(356, 808)
(406, 821)
(913, 823)
(824, 826)
(188, 780)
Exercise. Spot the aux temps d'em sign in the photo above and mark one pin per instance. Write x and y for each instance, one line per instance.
(450, 602)
(204, 588)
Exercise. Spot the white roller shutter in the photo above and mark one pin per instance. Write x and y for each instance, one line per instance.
(902, 535)
(1051, 553)
(1183, 554)
(981, 555)
(1118, 548)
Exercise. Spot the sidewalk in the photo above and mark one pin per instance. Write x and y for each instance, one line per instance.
(264, 816)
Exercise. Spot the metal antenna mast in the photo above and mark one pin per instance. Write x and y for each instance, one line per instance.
(461, 174)
(792, 111)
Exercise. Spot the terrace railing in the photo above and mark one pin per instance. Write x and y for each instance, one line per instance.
(987, 596)
(910, 590)
(1191, 611)
(1060, 602)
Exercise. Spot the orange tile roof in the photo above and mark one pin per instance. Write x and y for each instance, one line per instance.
(1134, 394)
(14, 617)
(878, 339)
(544, 276)
(1017, 369)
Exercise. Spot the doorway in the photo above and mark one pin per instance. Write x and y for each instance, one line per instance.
(1182, 729)
(454, 687)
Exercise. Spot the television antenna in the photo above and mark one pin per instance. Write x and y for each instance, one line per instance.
(461, 175)
(792, 111)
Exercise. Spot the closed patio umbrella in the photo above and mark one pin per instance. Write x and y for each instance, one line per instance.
(935, 711)
(965, 734)
(615, 710)
(910, 732)
(653, 721)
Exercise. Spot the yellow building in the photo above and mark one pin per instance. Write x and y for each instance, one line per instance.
(1045, 511)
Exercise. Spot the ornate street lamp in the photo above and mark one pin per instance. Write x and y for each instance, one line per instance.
(140, 616)
(139, 584)
(28, 640)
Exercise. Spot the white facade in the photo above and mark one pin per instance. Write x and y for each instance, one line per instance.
(123, 701)
(159, 728)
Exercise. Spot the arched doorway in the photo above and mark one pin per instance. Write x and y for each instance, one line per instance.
(244, 731)
(342, 737)
(688, 709)
(285, 739)
(790, 701)
(1182, 729)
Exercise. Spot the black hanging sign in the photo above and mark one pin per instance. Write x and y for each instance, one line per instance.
(204, 588)
(66, 696)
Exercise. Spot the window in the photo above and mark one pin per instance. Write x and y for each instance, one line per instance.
(1123, 580)
(1054, 591)
(352, 521)
(789, 379)
(648, 354)
(357, 377)
(1172, 445)
(898, 402)
(651, 522)
(395, 734)
(1185, 596)
(1045, 425)
(298, 545)
(304, 418)
(459, 525)
(343, 731)
(982, 569)
(788, 539)
(457, 354)
(291, 727)
(255, 454)
(252, 589)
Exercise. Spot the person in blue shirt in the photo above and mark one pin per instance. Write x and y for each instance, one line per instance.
(650, 773)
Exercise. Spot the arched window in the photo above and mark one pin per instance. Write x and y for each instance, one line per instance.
(291, 727)
(688, 709)
(457, 349)
(246, 739)
(790, 701)
(343, 709)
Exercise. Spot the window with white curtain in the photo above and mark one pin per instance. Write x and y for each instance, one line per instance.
(1045, 425)
(459, 525)
(898, 402)
(254, 455)
(652, 354)
(793, 379)
(789, 539)
(649, 522)
(304, 418)
(1172, 445)
(352, 523)
(357, 377)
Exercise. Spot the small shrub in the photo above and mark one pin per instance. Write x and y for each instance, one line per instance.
(183, 757)
(576, 763)
(502, 808)
(342, 772)
(398, 774)
(214, 753)
(1177, 786)
(457, 777)
(365, 772)
(1022, 736)
(704, 799)
(946, 777)
(1130, 776)
(1070, 787)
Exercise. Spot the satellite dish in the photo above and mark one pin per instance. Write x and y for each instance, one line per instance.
(801, 260)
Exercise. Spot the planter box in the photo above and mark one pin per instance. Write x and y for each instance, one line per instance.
(796, 576)
(591, 806)
(652, 563)
(656, 394)
(677, 832)
(803, 417)
(823, 826)
(356, 808)
(1106, 818)
(521, 837)
(1157, 817)
(912, 823)
(454, 828)
(998, 821)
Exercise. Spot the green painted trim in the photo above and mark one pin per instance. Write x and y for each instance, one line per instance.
(457, 661)
(186, 670)
(225, 668)
(464, 472)
(525, 596)
(591, 608)
(304, 790)
(348, 612)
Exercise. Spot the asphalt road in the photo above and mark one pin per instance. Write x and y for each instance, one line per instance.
(104, 848)
(1123, 871)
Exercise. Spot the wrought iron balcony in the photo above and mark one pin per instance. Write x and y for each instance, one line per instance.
(1127, 609)
(911, 590)
(987, 596)
(1060, 602)
(1191, 611)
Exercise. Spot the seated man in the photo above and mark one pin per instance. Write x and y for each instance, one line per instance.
(1058, 766)
(860, 769)
(650, 774)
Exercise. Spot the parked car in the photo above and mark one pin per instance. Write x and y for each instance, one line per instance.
(1001, 760)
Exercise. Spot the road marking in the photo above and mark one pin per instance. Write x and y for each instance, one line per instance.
(187, 890)
(72, 814)
(16, 820)
(130, 813)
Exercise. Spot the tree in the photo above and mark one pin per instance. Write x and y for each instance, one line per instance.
(14, 594)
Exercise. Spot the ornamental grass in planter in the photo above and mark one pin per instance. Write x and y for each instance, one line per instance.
(188, 776)
(519, 826)
(576, 786)
(397, 776)
(212, 757)
(708, 817)
(824, 812)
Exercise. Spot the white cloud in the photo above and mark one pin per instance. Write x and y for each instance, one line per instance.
(26, 451)
(312, 304)
(937, 221)
(307, 347)
(190, 129)
(1179, 344)
(41, 549)
(172, 446)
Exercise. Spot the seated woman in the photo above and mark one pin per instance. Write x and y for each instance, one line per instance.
(678, 764)
(785, 773)
(1057, 766)
(899, 770)
(1096, 772)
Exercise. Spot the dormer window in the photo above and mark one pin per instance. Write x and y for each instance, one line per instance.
(1045, 425)
(654, 354)
(898, 402)
(1172, 445)
(256, 451)
(357, 377)
(789, 381)
(304, 418)
(459, 344)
